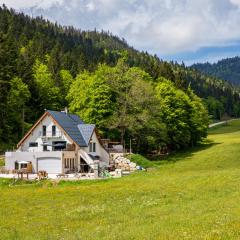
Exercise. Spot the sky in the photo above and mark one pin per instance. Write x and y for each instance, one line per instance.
(180, 30)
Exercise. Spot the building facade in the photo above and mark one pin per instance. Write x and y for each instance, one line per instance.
(59, 142)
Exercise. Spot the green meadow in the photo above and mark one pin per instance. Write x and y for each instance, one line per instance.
(193, 195)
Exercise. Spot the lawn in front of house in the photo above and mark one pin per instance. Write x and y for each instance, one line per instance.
(193, 196)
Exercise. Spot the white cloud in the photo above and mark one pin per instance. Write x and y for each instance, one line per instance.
(91, 6)
(159, 26)
(236, 2)
(44, 4)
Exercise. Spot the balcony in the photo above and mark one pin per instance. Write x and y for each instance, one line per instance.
(51, 135)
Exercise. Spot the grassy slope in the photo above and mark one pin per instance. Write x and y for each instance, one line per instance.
(195, 196)
(141, 161)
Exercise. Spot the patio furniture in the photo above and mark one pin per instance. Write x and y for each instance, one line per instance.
(42, 175)
(21, 173)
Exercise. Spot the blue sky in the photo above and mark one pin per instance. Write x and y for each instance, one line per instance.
(205, 54)
(179, 30)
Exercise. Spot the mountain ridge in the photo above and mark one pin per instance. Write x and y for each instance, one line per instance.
(227, 69)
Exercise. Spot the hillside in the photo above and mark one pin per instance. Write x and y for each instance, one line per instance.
(39, 60)
(194, 196)
(227, 69)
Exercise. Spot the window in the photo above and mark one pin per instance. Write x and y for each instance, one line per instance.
(73, 163)
(53, 130)
(23, 165)
(59, 145)
(45, 148)
(92, 147)
(66, 165)
(67, 162)
(33, 144)
(16, 165)
(44, 130)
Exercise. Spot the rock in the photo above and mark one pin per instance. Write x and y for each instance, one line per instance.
(133, 165)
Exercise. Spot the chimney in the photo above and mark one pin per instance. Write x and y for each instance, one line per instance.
(66, 110)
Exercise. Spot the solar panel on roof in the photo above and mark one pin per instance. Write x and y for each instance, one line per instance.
(70, 122)
(86, 131)
(76, 118)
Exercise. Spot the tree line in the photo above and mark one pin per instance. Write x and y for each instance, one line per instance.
(127, 93)
(227, 69)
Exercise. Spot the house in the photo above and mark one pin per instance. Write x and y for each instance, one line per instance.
(59, 142)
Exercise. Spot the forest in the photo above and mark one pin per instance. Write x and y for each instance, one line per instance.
(125, 92)
(227, 69)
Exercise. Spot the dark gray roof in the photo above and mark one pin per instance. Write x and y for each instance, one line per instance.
(74, 127)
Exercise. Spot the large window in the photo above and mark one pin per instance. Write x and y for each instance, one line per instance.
(59, 145)
(53, 130)
(69, 163)
(23, 165)
(33, 144)
(92, 147)
(44, 132)
(16, 165)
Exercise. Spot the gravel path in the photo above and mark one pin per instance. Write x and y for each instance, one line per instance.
(220, 123)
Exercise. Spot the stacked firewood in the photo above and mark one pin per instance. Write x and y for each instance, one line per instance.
(121, 162)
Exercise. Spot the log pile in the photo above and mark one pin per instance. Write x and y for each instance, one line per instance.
(120, 162)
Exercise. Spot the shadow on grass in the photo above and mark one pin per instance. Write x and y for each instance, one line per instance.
(186, 153)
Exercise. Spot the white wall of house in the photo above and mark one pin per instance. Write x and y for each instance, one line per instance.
(36, 136)
(34, 158)
(99, 151)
